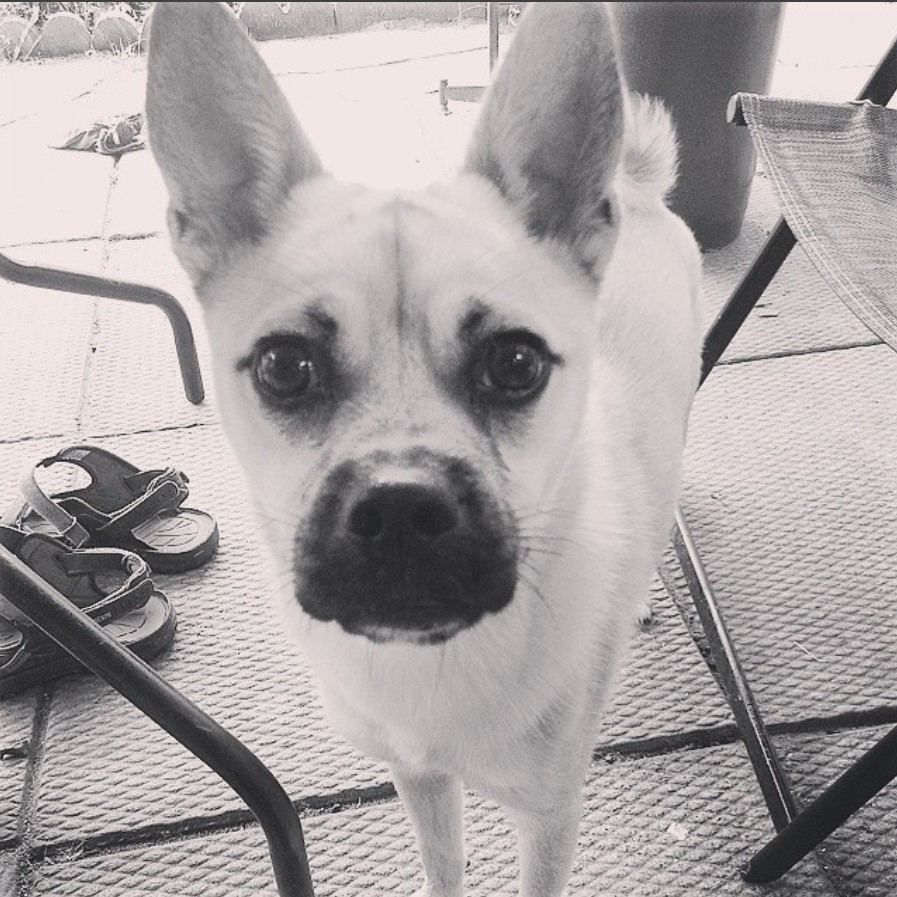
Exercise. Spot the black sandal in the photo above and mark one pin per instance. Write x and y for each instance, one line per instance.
(111, 586)
(122, 507)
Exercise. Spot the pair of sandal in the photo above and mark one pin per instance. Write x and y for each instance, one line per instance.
(96, 545)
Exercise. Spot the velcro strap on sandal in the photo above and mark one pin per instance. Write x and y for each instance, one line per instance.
(134, 592)
(166, 492)
(38, 500)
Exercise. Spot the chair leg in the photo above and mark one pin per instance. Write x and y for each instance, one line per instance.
(882, 83)
(199, 733)
(850, 791)
(107, 288)
(760, 748)
(734, 313)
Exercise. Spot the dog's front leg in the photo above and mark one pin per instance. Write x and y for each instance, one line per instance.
(434, 803)
(546, 839)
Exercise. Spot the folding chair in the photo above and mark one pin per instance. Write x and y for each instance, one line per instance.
(853, 243)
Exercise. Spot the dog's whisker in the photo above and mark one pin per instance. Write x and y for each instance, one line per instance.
(536, 591)
(542, 552)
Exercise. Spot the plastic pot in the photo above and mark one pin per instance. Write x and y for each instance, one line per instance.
(694, 56)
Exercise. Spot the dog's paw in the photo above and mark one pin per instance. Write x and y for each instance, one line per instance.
(644, 614)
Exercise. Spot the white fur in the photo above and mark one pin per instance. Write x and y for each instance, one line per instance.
(510, 705)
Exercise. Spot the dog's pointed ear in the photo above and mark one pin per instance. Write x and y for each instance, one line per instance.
(550, 132)
(222, 132)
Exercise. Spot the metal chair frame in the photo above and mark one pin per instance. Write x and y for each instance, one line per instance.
(109, 288)
(798, 832)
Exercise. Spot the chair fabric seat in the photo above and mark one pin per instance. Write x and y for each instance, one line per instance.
(834, 168)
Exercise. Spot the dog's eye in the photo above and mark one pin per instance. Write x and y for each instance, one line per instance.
(515, 366)
(284, 371)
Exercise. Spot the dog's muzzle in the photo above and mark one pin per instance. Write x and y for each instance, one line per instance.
(412, 548)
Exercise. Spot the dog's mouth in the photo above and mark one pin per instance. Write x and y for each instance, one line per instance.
(433, 634)
(416, 556)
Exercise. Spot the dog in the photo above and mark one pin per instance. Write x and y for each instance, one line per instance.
(461, 410)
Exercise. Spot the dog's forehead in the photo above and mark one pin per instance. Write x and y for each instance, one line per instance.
(467, 255)
(384, 265)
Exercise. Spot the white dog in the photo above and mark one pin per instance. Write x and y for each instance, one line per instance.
(462, 410)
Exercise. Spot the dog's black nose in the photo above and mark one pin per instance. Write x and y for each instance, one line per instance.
(402, 514)
(411, 546)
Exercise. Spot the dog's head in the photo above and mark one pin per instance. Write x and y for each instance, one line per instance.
(401, 375)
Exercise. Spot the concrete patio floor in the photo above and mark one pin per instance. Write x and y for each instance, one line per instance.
(790, 489)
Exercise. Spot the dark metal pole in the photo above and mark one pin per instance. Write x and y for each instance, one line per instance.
(760, 748)
(148, 691)
(850, 791)
(882, 83)
(738, 307)
(109, 288)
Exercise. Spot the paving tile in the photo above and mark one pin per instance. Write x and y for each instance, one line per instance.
(861, 856)
(827, 54)
(44, 340)
(370, 136)
(230, 656)
(57, 194)
(61, 194)
(790, 488)
(58, 88)
(658, 827)
(138, 199)
(386, 128)
(134, 380)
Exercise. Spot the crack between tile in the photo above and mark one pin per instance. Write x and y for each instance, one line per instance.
(28, 116)
(59, 241)
(66, 241)
(796, 353)
(28, 808)
(40, 437)
(93, 338)
(171, 428)
(229, 821)
(727, 733)
(67, 434)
